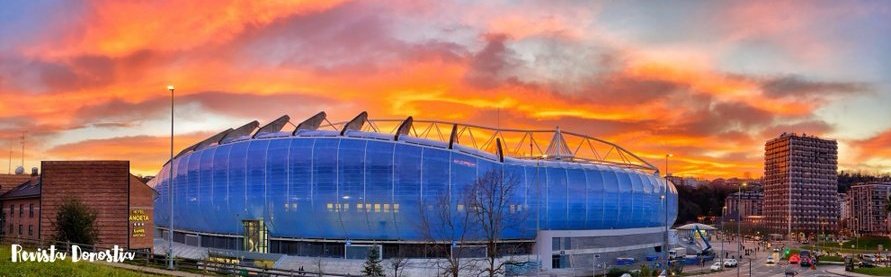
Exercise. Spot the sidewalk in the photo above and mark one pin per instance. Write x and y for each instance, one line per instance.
(842, 272)
(150, 270)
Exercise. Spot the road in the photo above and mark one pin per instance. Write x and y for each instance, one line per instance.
(758, 266)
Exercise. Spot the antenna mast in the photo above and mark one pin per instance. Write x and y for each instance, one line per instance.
(23, 149)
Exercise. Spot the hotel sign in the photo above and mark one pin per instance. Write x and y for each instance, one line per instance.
(138, 218)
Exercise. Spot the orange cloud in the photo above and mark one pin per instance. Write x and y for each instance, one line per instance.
(240, 61)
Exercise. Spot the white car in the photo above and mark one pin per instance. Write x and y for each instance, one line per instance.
(716, 266)
(770, 260)
(730, 263)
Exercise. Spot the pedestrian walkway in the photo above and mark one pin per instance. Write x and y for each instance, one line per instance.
(151, 270)
(842, 272)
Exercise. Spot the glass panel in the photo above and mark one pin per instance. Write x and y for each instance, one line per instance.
(577, 199)
(611, 198)
(220, 187)
(464, 170)
(351, 181)
(637, 198)
(301, 209)
(379, 190)
(595, 199)
(181, 215)
(255, 194)
(407, 188)
(626, 209)
(192, 193)
(237, 182)
(519, 216)
(205, 188)
(557, 199)
(534, 196)
(276, 184)
(325, 188)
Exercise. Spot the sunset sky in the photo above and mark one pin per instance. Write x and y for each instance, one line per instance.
(709, 81)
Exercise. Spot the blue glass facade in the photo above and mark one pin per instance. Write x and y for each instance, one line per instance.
(359, 188)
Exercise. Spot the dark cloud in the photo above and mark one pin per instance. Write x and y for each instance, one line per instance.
(65, 75)
(798, 86)
(720, 117)
(117, 113)
(353, 37)
(491, 66)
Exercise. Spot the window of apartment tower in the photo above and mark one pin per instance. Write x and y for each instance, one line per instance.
(20, 229)
(31, 210)
(21, 210)
(30, 230)
(11, 211)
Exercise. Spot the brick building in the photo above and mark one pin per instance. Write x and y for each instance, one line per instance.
(865, 213)
(21, 208)
(800, 183)
(122, 202)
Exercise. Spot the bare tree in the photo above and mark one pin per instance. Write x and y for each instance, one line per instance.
(397, 264)
(444, 226)
(494, 209)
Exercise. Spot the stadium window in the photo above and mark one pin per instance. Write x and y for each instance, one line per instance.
(395, 208)
(359, 206)
(386, 208)
(460, 207)
(330, 207)
(377, 208)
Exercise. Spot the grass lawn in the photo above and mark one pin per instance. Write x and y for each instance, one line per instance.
(870, 243)
(876, 271)
(59, 268)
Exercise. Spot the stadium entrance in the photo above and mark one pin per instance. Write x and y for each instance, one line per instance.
(255, 236)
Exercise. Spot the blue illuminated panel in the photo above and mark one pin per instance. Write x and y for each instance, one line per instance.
(355, 188)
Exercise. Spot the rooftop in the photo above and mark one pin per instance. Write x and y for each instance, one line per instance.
(27, 189)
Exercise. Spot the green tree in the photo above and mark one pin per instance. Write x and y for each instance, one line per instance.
(76, 223)
(372, 267)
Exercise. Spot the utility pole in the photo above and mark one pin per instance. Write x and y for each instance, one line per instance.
(23, 150)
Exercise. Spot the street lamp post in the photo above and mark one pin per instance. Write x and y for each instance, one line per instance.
(723, 232)
(739, 223)
(170, 187)
(665, 203)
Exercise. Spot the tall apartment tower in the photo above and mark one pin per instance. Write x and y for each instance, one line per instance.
(800, 184)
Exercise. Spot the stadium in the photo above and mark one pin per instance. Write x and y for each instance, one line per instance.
(333, 189)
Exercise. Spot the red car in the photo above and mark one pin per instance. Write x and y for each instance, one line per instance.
(794, 259)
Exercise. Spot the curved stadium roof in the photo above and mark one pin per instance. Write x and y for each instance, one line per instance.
(488, 142)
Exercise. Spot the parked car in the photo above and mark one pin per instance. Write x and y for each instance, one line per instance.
(770, 260)
(716, 266)
(794, 259)
(730, 263)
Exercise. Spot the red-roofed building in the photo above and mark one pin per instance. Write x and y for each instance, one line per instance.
(122, 202)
